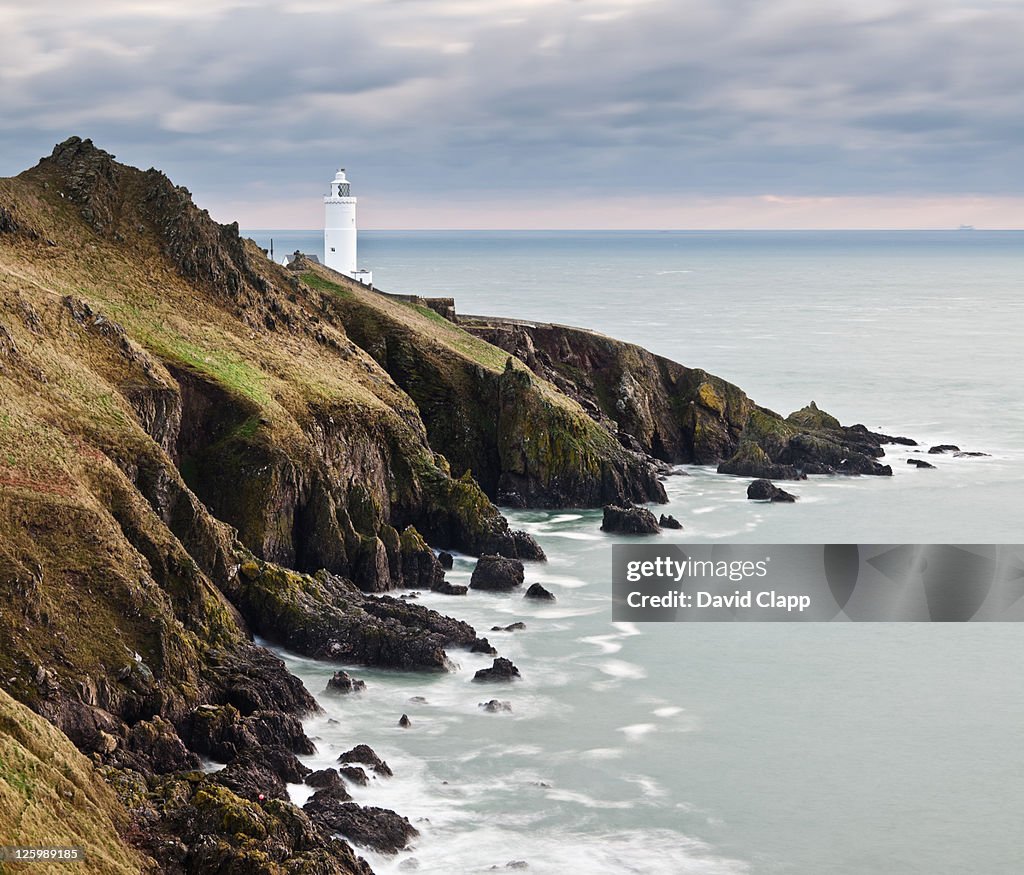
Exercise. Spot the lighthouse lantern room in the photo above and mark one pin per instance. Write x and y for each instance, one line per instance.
(340, 230)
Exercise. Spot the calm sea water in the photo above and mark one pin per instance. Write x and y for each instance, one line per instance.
(842, 748)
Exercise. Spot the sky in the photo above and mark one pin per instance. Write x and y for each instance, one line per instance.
(539, 113)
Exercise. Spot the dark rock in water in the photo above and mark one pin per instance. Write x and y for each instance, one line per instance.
(920, 463)
(808, 441)
(354, 774)
(752, 461)
(668, 521)
(497, 573)
(364, 754)
(411, 595)
(346, 626)
(878, 437)
(377, 828)
(501, 670)
(629, 521)
(512, 627)
(446, 559)
(526, 546)
(944, 448)
(765, 490)
(404, 721)
(410, 865)
(536, 591)
(327, 779)
(860, 465)
(482, 645)
(517, 864)
(343, 682)
(495, 706)
(419, 700)
(446, 588)
(965, 455)
(265, 770)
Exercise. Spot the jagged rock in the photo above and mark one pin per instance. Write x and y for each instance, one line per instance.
(8, 225)
(495, 706)
(354, 774)
(765, 490)
(404, 721)
(501, 670)
(482, 645)
(808, 441)
(325, 617)
(964, 455)
(342, 683)
(222, 733)
(194, 824)
(920, 463)
(668, 521)
(446, 588)
(377, 828)
(629, 521)
(446, 559)
(881, 438)
(512, 627)
(536, 591)
(750, 460)
(328, 779)
(944, 448)
(266, 770)
(497, 573)
(154, 746)
(363, 753)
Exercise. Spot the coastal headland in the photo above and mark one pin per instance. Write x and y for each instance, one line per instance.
(199, 446)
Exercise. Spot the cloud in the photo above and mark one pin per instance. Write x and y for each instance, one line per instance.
(520, 100)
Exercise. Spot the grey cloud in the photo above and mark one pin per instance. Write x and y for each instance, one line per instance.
(699, 96)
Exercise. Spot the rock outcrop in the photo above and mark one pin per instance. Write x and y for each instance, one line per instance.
(539, 593)
(497, 573)
(808, 441)
(676, 414)
(629, 521)
(501, 670)
(765, 490)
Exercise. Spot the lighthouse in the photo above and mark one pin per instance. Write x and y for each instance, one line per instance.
(340, 230)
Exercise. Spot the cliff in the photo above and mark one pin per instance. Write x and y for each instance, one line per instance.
(198, 445)
(660, 408)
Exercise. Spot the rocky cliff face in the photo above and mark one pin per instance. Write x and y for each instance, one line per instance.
(176, 411)
(523, 440)
(678, 414)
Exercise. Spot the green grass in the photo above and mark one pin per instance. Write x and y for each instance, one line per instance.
(463, 342)
(314, 281)
(228, 369)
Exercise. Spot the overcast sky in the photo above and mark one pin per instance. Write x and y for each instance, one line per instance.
(539, 113)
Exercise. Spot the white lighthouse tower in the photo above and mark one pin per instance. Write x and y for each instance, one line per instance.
(340, 231)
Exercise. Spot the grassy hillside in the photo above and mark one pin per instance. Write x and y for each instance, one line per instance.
(51, 796)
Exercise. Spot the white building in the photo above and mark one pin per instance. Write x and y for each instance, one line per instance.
(340, 231)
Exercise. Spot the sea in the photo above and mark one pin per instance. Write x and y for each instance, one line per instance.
(729, 747)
